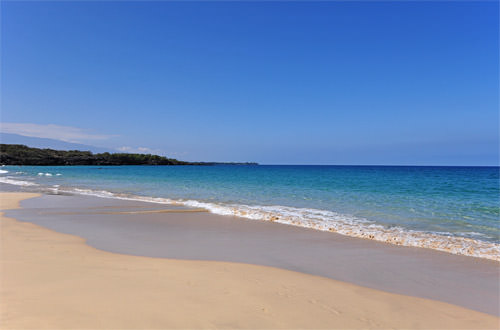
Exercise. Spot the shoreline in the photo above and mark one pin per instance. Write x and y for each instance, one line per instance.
(56, 280)
(121, 226)
(437, 239)
(457, 245)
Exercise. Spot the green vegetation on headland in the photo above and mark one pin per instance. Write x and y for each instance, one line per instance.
(17, 154)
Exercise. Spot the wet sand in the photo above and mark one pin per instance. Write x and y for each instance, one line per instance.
(153, 230)
(53, 280)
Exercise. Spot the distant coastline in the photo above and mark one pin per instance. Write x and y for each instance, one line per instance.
(18, 154)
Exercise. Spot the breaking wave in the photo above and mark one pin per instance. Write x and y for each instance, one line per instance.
(10, 180)
(325, 221)
(311, 218)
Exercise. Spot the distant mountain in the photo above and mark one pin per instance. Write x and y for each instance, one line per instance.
(7, 138)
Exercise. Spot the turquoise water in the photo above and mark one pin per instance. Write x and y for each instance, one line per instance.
(456, 209)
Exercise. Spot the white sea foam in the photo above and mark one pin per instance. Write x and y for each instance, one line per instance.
(10, 180)
(3, 171)
(329, 221)
(471, 233)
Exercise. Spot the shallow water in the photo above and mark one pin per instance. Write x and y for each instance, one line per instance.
(453, 209)
(464, 281)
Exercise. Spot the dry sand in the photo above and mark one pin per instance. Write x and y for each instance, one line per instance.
(54, 280)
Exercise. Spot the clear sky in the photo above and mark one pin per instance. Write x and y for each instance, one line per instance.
(272, 82)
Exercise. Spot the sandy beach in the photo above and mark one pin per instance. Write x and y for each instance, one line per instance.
(168, 231)
(176, 164)
(55, 280)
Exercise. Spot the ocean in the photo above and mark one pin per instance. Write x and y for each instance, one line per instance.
(451, 209)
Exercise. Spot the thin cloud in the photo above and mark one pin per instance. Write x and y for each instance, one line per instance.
(146, 150)
(56, 132)
(139, 150)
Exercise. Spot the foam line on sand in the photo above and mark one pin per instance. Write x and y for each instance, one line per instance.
(54, 280)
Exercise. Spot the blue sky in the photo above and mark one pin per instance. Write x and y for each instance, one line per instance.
(272, 82)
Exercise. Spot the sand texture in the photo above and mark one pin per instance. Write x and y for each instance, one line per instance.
(54, 280)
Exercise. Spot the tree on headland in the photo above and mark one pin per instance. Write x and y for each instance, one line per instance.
(17, 154)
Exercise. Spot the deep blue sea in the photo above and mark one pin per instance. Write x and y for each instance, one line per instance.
(453, 209)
